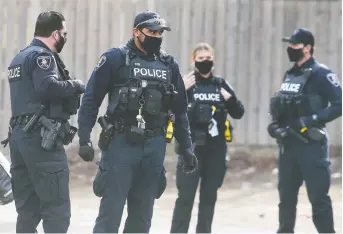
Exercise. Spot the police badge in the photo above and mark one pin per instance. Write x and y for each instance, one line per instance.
(44, 62)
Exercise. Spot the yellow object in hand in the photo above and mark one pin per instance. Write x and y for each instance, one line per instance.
(170, 131)
(228, 133)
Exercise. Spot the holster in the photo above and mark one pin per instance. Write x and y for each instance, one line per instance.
(50, 133)
(104, 140)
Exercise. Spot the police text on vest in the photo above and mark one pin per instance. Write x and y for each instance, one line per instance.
(207, 97)
(150, 72)
(13, 72)
(290, 87)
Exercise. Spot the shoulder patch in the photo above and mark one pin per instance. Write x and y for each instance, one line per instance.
(44, 62)
(101, 62)
(332, 77)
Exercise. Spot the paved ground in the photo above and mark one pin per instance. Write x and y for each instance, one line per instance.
(244, 210)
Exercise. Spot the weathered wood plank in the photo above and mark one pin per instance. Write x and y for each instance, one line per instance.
(219, 41)
(255, 46)
(241, 72)
(246, 36)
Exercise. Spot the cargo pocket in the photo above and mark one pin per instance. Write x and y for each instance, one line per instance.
(52, 181)
(100, 181)
(162, 184)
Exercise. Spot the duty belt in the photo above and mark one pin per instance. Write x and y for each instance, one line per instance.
(147, 132)
(24, 119)
(120, 126)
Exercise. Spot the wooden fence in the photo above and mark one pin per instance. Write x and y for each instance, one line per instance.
(246, 35)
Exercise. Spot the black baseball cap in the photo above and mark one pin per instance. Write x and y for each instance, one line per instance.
(150, 20)
(300, 36)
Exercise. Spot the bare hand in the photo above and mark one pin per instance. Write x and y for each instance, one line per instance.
(189, 80)
(226, 95)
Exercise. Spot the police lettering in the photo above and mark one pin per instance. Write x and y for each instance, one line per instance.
(150, 72)
(207, 97)
(13, 72)
(290, 87)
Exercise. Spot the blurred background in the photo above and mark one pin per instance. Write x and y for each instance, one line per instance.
(246, 36)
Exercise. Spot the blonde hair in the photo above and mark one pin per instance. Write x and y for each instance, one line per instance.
(202, 46)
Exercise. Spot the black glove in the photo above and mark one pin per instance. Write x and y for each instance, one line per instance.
(280, 133)
(272, 127)
(86, 151)
(79, 85)
(276, 132)
(189, 161)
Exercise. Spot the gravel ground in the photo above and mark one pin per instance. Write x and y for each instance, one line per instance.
(243, 210)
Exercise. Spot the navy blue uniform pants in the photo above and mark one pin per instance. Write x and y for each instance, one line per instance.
(40, 183)
(300, 162)
(131, 173)
(212, 169)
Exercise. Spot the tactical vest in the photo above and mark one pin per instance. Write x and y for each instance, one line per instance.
(145, 85)
(204, 98)
(24, 99)
(295, 99)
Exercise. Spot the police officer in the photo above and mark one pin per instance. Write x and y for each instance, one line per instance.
(300, 111)
(146, 93)
(42, 99)
(211, 98)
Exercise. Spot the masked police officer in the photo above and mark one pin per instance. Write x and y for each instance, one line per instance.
(146, 95)
(211, 98)
(42, 99)
(300, 111)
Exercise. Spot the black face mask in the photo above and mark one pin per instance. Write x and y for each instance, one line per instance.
(204, 67)
(294, 55)
(60, 43)
(151, 44)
